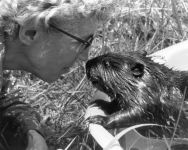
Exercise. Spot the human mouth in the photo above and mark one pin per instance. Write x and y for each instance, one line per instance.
(65, 70)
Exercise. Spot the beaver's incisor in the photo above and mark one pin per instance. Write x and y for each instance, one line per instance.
(142, 91)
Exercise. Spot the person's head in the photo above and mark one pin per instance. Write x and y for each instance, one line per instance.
(34, 40)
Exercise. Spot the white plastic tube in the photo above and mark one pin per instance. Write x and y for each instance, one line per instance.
(103, 137)
(99, 133)
(175, 56)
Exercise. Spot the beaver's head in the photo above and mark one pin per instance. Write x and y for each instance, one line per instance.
(128, 76)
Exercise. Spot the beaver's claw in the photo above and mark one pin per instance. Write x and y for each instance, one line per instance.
(101, 120)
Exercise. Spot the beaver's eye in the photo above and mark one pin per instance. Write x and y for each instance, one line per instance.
(137, 70)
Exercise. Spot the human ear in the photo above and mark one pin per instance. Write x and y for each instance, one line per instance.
(27, 34)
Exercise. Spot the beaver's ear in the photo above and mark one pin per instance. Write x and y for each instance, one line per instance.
(137, 70)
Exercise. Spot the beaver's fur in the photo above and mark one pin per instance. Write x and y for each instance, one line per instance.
(142, 91)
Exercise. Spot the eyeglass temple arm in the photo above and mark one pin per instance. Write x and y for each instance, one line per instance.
(74, 37)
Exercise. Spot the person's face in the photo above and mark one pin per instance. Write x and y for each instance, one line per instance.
(51, 53)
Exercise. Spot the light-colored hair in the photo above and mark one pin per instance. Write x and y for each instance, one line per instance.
(15, 13)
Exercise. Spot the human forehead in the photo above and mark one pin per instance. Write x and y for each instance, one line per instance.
(79, 26)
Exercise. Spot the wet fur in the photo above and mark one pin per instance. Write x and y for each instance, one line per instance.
(141, 91)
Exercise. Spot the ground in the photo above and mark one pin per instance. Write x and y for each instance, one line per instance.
(137, 25)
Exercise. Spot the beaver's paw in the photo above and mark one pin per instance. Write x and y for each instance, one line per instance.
(101, 120)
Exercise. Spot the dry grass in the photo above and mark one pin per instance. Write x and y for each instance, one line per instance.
(62, 103)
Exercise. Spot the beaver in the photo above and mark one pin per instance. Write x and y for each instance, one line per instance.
(141, 91)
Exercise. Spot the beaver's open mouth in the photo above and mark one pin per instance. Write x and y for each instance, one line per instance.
(97, 76)
(99, 83)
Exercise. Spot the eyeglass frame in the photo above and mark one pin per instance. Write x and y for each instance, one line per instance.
(87, 43)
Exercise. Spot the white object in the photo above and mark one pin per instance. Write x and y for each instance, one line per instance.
(175, 56)
(99, 133)
(104, 138)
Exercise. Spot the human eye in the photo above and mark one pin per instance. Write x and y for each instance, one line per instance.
(89, 40)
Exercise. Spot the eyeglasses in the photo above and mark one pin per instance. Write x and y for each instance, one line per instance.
(87, 42)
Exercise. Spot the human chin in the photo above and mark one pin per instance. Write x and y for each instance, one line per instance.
(49, 79)
(52, 76)
(48, 76)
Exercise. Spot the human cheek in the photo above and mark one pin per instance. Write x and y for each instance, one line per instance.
(47, 58)
(84, 55)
